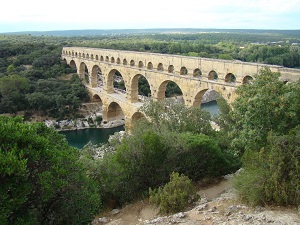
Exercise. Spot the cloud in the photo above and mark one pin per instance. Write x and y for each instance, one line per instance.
(70, 14)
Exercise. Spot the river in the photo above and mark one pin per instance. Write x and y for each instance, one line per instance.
(79, 138)
(211, 107)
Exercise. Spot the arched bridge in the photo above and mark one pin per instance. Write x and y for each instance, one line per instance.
(194, 76)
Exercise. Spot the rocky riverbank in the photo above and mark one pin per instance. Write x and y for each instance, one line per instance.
(91, 118)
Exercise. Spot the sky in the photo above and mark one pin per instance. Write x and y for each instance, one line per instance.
(39, 15)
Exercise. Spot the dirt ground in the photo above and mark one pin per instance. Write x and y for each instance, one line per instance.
(218, 205)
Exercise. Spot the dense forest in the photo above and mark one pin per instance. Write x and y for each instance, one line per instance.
(45, 181)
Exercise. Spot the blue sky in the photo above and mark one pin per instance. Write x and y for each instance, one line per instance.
(38, 15)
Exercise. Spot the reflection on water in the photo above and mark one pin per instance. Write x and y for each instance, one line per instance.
(79, 138)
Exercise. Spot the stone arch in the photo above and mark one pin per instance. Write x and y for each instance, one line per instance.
(92, 56)
(72, 64)
(97, 57)
(96, 98)
(132, 63)
(230, 78)
(124, 62)
(247, 79)
(79, 54)
(112, 60)
(96, 77)
(161, 91)
(72, 53)
(83, 55)
(150, 66)
(141, 64)
(183, 71)
(137, 116)
(106, 59)
(83, 72)
(171, 69)
(111, 81)
(206, 95)
(114, 112)
(197, 73)
(76, 54)
(87, 56)
(118, 60)
(69, 53)
(160, 67)
(101, 58)
(212, 75)
(135, 88)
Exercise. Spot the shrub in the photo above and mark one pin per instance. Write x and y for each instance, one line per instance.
(175, 195)
(273, 174)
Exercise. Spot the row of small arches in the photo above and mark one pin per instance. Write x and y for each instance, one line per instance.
(212, 75)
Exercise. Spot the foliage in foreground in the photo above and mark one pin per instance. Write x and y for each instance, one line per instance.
(42, 181)
(153, 151)
(272, 175)
(266, 125)
(178, 193)
(268, 104)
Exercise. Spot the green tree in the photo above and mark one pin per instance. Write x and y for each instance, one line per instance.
(42, 181)
(267, 104)
(176, 117)
(272, 175)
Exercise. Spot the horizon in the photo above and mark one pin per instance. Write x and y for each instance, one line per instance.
(31, 16)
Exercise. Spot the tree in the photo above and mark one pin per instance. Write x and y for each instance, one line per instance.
(176, 117)
(266, 129)
(267, 104)
(13, 89)
(42, 180)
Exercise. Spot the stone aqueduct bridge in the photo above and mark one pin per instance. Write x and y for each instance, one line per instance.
(193, 75)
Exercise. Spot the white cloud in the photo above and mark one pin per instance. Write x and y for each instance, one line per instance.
(70, 14)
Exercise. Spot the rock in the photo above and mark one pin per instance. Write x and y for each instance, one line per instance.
(213, 209)
(103, 220)
(201, 207)
(115, 211)
(179, 215)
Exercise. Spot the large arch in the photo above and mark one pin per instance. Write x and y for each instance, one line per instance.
(96, 76)
(114, 112)
(72, 64)
(83, 72)
(136, 89)
(111, 80)
(161, 91)
(137, 116)
(96, 98)
(205, 95)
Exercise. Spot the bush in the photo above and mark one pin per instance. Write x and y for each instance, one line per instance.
(175, 195)
(42, 180)
(273, 174)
